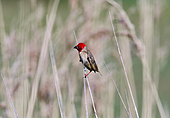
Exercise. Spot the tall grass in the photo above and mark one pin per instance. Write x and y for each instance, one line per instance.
(48, 82)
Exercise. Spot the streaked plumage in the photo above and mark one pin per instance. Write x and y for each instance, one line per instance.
(87, 58)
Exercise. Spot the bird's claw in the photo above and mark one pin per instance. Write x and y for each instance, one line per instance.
(85, 75)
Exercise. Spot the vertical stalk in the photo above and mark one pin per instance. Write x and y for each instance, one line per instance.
(127, 79)
(146, 31)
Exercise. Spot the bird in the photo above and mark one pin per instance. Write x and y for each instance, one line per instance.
(87, 59)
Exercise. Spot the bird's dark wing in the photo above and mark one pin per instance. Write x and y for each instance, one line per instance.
(92, 62)
(88, 66)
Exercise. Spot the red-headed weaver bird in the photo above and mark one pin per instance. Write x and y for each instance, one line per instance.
(86, 57)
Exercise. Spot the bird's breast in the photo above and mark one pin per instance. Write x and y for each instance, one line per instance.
(83, 56)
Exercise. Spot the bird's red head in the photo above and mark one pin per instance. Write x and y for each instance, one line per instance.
(80, 46)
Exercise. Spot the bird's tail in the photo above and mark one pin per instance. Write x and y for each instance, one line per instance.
(100, 73)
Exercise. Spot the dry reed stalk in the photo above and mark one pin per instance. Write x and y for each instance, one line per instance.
(140, 47)
(84, 78)
(25, 95)
(15, 112)
(22, 92)
(146, 31)
(85, 96)
(156, 46)
(157, 13)
(154, 90)
(126, 53)
(124, 67)
(125, 47)
(91, 96)
(122, 85)
(130, 116)
(131, 30)
(56, 80)
(41, 59)
(116, 89)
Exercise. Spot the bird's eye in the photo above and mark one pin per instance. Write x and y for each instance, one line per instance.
(78, 46)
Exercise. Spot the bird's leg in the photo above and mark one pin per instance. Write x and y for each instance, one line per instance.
(87, 74)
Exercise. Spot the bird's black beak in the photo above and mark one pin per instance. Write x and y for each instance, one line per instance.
(75, 47)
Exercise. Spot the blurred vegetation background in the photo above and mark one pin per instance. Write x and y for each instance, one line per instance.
(26, 26)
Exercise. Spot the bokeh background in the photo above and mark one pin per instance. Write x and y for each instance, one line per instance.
(143, 31)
